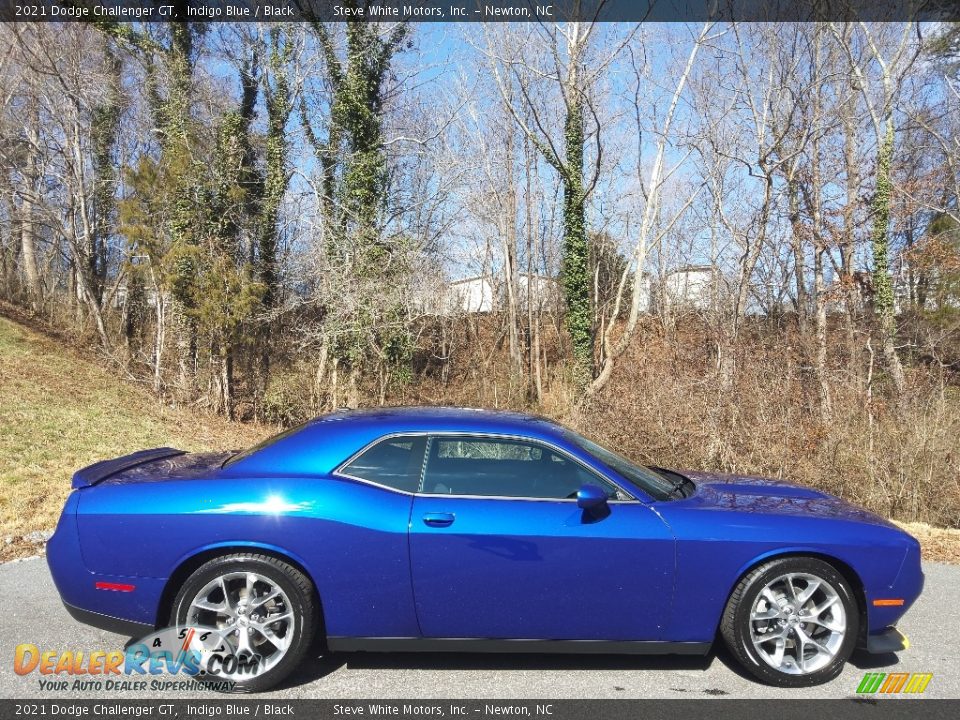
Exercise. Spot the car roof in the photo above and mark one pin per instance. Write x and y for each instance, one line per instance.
(321, 444)
(438, 418)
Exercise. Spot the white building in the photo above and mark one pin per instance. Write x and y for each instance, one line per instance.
(691, 287)
(487, 293)
(470, 295)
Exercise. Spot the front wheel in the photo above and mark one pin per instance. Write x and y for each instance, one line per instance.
(792, 622)
(264, 609)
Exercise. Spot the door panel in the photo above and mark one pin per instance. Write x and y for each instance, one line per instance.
(539, 569)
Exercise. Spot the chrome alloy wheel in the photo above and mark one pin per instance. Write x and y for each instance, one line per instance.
(798, 623)
(251, 612)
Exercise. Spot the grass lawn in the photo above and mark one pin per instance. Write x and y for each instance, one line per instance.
(60, 412)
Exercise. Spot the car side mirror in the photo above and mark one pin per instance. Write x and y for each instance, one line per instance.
(590, 497)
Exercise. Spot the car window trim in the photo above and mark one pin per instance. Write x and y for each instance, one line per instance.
(430, 435)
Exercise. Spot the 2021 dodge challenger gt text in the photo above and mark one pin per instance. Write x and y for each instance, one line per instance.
(449, 529)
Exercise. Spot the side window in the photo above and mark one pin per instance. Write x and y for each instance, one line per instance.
(395, 462)
(495, 467)
(567, 472)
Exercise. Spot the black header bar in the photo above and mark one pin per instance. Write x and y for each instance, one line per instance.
(477, 10)
(277, 708)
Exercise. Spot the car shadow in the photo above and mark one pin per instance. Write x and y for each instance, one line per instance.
(319, 664)
(312, 668)
(322, 665)
(863, 660)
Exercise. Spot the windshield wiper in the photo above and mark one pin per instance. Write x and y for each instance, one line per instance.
(678, 483)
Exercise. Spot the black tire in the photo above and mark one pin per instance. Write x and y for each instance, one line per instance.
(735, 625)
(296, 586)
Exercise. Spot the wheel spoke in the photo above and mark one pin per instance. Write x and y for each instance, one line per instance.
(808, 592)
(265, 599)
(769, 637)
(817, 610)
(274, 619)
(277, 641)
(800, 647)
(771, 598)
(828, 624)
(243, 642)
(777, 656)
(808, 640)
(769, 614)
(226, 595)
(205, 604)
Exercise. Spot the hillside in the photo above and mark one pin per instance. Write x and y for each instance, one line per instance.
(59, 412)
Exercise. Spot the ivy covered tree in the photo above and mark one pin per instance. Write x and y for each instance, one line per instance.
(355, 187)
(278, 95)
(576, 247)
(891, 71)
(569, 47)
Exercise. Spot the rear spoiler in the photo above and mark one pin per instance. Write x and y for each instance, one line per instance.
(98, 472)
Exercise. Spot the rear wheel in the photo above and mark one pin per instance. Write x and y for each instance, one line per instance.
(264, 609)
(792, 622)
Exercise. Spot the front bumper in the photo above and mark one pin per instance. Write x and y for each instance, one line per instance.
(890, 640)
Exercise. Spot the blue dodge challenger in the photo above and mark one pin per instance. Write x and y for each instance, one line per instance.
(472, 530)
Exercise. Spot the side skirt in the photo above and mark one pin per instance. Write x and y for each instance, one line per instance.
(467, 645)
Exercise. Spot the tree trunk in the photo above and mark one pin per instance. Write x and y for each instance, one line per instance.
(852, 173)
(104, 129)
(820, 247)
(534, 385)
(820, 316)
(508, 233)
(799, 264)
(28, 236)
(186, 352)
(158, 339)
(883, 300)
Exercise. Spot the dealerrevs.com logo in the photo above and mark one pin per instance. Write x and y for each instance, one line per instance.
(900, 683)
(203, 658)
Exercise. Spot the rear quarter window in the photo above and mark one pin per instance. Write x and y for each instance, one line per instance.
(393, 462)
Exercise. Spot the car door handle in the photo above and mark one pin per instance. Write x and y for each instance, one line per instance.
(438, 519)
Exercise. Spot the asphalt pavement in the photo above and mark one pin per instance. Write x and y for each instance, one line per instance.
(32, 613)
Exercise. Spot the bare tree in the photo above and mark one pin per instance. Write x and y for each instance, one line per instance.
(649, 233)
(892, 60)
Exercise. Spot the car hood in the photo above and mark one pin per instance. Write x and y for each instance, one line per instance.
(747, 493)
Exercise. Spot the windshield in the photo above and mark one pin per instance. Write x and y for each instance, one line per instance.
(655, 485)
